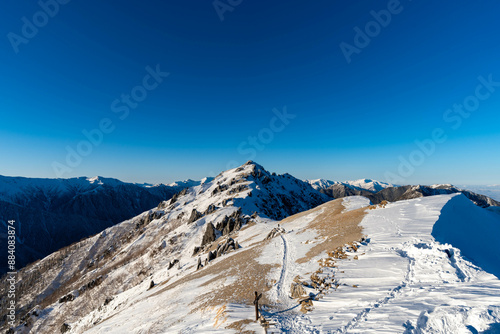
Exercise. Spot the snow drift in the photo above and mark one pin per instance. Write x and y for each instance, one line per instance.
(474, 230)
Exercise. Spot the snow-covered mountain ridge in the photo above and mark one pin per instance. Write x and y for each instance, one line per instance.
(53, 213)
(192, 264)
(85, 206)
(361, 184)
(379, 191)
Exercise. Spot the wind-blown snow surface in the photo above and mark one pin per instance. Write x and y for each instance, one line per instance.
(407, 281)
(355, 202)
(403, 282)
(473, 230)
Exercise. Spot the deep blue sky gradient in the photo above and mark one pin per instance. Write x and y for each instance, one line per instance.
(353, 120)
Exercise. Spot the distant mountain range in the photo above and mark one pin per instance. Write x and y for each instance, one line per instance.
(361, 184)
(53, 213)
(380, 191)
(492, 191)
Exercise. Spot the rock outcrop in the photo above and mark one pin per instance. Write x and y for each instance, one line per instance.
(209, 235)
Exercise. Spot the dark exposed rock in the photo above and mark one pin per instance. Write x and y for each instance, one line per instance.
(390, 194)
(224, 248)
(229, 226)
(90, 285)
(229, 245)
(196, 250)
(174, 198)
(164, 204)
(95, 282)
(219, 189)
(231, 223)
(147, 218)
(68, 298)
(152, 284)
(219, 248)
(238, 189)
(209, 235)
(212, 255)
(65, 328)
(211, 209)
(341, 190)
(156, 215)
(237, 224)
(275, 232)
(199, 264)
(108, 300)
(173, 263)
(195, 215)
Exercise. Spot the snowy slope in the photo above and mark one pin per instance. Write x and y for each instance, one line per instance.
(407, 282)
(473, 230)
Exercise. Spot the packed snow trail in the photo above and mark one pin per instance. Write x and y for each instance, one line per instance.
(288, 318)
(280, 285)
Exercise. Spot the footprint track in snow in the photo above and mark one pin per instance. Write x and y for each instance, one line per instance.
(281, 282)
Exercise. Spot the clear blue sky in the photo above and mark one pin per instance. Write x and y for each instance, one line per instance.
(352, 120)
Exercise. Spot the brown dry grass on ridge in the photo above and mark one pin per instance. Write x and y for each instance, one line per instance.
(251, 276)
(337, 227)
